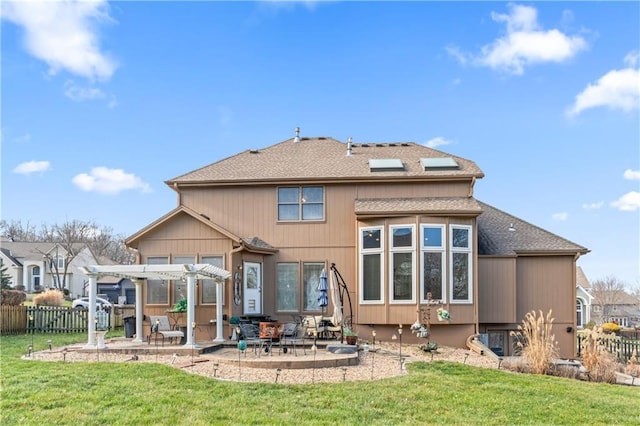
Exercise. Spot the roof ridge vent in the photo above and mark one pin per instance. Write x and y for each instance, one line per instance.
(297, 138)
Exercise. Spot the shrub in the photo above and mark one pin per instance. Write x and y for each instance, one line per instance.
(599, 362)
(633, 365)
(13, 297)
(49, 298)
(610, 327)
(536, 341)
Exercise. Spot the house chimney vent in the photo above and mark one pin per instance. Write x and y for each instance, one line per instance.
(349, 146)
(297, 138)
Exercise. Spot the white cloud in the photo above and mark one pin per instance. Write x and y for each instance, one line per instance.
(109, 181)
(438, 141)
(593, 206)
(629, 202)
(32, 167)
(63, 34)
(617, 90)
(525, 43)
(632, 174)
(560, 216)
(80, 94)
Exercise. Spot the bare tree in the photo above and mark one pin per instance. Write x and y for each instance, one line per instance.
(607, 292)
(16, 231)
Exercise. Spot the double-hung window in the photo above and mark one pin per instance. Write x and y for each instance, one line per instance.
(300, 203)
(371, 264)
(208, 288)
(157, 290)
(432, 250)
(461, 261)
(402, 263)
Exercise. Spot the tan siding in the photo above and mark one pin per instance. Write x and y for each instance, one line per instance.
(545, 283)
(417, 190)
(497, 290)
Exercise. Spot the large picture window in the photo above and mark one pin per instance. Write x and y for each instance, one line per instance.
(371, 264)
(461, 273)
(288, 294)
(208, 288)
(433, 262)
(297, 203)
(157, 290)
(402, 267)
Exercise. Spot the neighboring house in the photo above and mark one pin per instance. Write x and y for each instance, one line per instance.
(584, 299)
(398, 220)
(30, 265)
(117, 290)
(616, 306)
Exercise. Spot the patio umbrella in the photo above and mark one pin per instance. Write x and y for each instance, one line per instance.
(323, 299)
(335, 297)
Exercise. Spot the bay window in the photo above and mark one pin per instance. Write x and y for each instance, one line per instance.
(433, 262)
(402, 263)
(461, 272)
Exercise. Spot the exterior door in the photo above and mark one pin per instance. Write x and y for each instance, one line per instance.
(252, 288)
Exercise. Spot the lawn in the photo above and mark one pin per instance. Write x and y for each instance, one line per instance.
(36, 392)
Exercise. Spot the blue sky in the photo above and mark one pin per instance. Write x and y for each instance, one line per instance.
(103, 102)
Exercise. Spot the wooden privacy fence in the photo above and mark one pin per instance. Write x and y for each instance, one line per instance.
(622, 348)
(43, 319)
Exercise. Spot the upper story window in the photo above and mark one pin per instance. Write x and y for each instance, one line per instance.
(57, 262)
(297, 203)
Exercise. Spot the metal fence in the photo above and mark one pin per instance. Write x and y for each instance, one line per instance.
(45, 319)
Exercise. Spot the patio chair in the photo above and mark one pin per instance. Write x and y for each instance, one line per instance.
(292, 334)
(250, 333)
(160, 326)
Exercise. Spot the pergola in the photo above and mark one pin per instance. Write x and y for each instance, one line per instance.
(139, 273)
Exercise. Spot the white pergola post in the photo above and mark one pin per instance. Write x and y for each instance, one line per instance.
(139, 314)
(191, 307)
(219, 329)
(91, 326)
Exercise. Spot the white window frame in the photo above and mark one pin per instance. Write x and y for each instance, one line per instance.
(442, 249)
(363, 252)
(469, 251)
(408, 249)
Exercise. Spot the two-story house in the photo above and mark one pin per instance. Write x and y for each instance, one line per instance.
(399, 221)
(36, 266)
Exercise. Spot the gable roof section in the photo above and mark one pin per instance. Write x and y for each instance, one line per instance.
(496, 239)
(33, 251)
(323, 160)
(253, 244)
(440, 205)
(581, 278)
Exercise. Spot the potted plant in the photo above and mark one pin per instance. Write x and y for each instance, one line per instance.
(181, 306)
(350, 336)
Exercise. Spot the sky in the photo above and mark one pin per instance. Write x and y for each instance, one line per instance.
(103, 102)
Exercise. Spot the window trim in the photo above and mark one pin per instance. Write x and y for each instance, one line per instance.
(215, 285)
(380, 251)
(300, 203)
(442, 249)
(456, 250)
(401, 249)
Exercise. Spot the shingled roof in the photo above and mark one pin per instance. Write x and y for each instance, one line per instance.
(325, 159)
(500, 233)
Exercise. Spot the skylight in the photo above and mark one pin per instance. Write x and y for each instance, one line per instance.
(439, 163)
(385, 164)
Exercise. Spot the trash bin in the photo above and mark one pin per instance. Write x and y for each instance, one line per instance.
(129, 326)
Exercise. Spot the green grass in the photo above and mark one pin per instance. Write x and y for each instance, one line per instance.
(35, 392)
